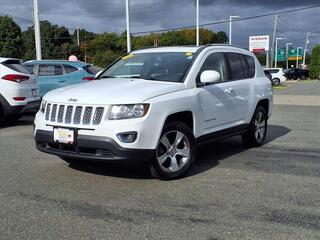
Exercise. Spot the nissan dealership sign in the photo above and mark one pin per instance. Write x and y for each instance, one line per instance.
(259, 43)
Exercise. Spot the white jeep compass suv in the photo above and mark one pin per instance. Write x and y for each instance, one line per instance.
(155, 106)
(19, 90)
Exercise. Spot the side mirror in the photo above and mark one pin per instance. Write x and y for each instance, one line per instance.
(210, 76)
(97, 74)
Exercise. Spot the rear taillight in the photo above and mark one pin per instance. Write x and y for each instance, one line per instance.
(15, 78)
(88, 78)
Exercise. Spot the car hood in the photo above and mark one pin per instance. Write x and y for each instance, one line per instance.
(112, 91)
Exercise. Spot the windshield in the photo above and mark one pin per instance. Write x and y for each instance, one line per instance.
(164, 66)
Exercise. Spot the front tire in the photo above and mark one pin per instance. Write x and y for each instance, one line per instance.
(175, 152)
(256, 135)
(69, 160)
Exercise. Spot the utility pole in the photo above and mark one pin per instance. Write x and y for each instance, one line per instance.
(128, 26)
(305, 50)
(37, 29)
(197, 27)
(267, 59)
(274, 38)
(85, 46)
(230, 27)
(78, 37)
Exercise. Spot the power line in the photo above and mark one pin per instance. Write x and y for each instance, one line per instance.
(227, 21)
(19, 18)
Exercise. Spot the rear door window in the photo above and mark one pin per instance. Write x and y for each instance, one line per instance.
(245, 65)
(251, 65)
(69, 68)
(238, 71)
(90, 69)
(30, 68)
(50, 70)
(15, 65)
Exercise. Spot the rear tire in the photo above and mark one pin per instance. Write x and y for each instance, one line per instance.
(175, 152)
(256, 135)
(13, 118)
(1, 113)
(276, 81)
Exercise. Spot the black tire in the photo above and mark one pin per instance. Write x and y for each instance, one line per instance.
(13, 118)
(69, 160)
(187, 144)
(251, 138)
(276, 81)
(1, 113)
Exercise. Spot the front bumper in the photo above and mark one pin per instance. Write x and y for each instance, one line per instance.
(93, 148)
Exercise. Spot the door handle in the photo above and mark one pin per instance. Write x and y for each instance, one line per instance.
(62, 81)
(229, 90)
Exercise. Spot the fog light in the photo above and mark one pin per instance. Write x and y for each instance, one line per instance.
(127, 137)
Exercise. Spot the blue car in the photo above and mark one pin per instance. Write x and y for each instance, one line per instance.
(53, 74)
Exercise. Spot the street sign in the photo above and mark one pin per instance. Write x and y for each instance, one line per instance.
(259, 43)
(295, 58)
(281, 55)
(292, 54)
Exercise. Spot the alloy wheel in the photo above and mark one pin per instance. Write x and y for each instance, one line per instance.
(259, 127)
(173, 151)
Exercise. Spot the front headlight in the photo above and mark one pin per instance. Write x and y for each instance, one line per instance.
(128, 111)
(43, 106)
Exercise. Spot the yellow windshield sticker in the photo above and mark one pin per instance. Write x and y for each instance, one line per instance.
(189, 53)
(127, 57)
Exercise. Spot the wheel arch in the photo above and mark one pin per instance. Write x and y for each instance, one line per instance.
(265, 104)
(185, 117)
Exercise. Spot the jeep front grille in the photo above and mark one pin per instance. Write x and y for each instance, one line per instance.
(71, 114)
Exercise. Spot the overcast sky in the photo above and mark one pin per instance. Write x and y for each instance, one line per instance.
(148, 15)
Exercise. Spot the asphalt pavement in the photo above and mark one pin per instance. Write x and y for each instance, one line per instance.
(271, 192)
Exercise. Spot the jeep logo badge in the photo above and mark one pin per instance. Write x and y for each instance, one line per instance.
(72, 100)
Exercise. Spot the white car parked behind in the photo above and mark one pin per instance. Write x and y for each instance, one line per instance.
(278, 75)
(19, 91)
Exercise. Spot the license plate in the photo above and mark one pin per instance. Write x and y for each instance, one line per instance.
(34, 92)
(63, 135)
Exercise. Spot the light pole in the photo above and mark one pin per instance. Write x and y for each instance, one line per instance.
(297, 63)
(128, 26)
(197, 23)
(37, 29)
(305, 50)
(287, 54)
(276, 52)
(230, 27)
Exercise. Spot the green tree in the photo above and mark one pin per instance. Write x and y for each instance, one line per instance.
(261, 58)
(56, 42)
(220, 37)
(315, 62)
(10, 38)
(102, 49)
(103, 59)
